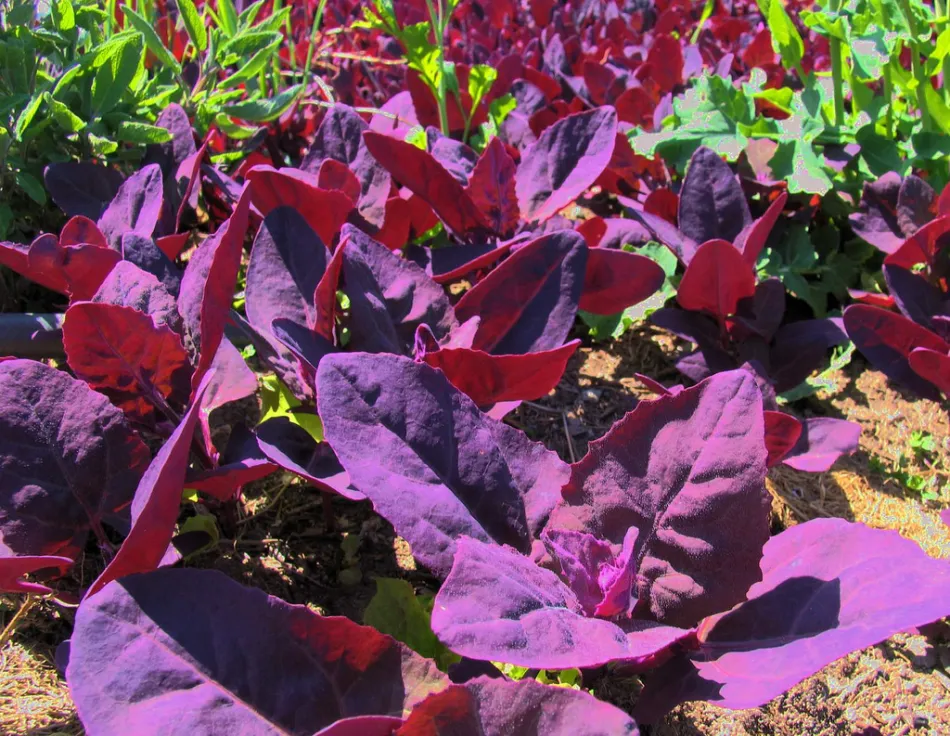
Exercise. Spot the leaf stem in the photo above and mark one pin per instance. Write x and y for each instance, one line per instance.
(918, 70)
(439, 31)
(314, 29)
(837, 77)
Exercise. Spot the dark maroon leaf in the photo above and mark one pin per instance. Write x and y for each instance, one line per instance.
(802, 347)
(306, 345)
(887, 339)
(68, 456)
(144, 253)
(207, 288)
(923, 246)
(241, 462)
(916, 204)
(616, 279)
(933, 366)
(421, 173)
(674, 466)
(782, 432)
(140, 366)
(712, 203)
(876, 218)
(82, 188)
(155, 506)
(451, 264)
(565, 161)
(492, 187)
(529, 302)
(915, 296)
(456, 473)
(495, 707)
(232, 659)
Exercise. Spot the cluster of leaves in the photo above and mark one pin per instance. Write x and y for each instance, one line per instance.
(908, 221)
(79, 82)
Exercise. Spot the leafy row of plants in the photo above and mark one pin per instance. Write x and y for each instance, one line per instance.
(409, 275)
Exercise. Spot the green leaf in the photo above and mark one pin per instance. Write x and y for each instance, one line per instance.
(64, 19)
(229, 18)
(278, 401)
(395, 610)
(132, 132)
(27, 114)
(152, 41)
(194, 24)
(204, 524)
(938, 109)
(102, 146)
(797, 163)
(249, 43)
(481, 77)
(32, 186)
(417, 137)
(249, 14)
(233, 130)
(117, 63)
(785, 37)
(65, 118)
(824, 381)
(260, 111)
(250, 69)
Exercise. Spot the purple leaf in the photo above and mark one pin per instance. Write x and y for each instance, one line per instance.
(456, 158)
(13, 568)
(340, 138)
(456, 473)
(621, 231)
(712, 203)
(450, 264)
(763, 313)
(241, 462)
(291, 447)
(683, 246)
(69, 458)
(231, 380)
(155, 506)
(823, 440)
(915, 296)
(887, 339)
(498, 605)
(144, 253)
(196, 649)
(82, 188)
(207, 287)
(389, 297)
(529, 302)
(136, 207)
(120, 351)
(829, 587)
(306, 345)
(564, 162)
(876, 218)
(688, 471)
(801, 347)
(127, 285)
(916, 204)
(287, 261)
(495, 707)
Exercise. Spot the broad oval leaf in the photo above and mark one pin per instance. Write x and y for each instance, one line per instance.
(232, 659)
(68, 458)
(128, 285)
(932, 366)
(136, 207)
(458, 472)
(688, 471)
(492, 187)
(715, 280)
(829, 587)
(565, 161)
(82, 188)
(616, 279)
(141, 366)
(712, 204)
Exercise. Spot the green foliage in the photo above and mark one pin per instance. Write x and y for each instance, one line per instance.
(75, 85)
(397, 611)
(917, 469)
(825, 381)
(278, 401)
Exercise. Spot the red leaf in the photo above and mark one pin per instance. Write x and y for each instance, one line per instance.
(325, 210)
(492, 187)
(760, 51)
(337, 175)
(324, 297)
(81, 230)
(12, 568)
(156, 504)
(489, 379)
(616, 279)
(593, 230)
(76, 270)
(923, 246)
(173, 245)
(663, 203)
(122, 353)
(420, 172)
(781, 433)
(752, 239)
(933, 366)
(716, 279)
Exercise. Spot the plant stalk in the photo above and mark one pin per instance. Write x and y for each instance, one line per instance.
(889, 96)
(439, 32)
(918, 70)
(837, 77)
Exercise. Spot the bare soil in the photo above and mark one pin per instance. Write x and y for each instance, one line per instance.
(280, 541)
